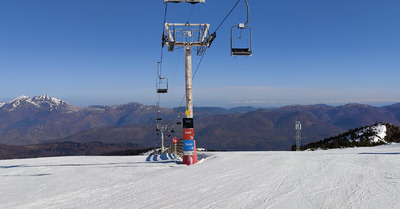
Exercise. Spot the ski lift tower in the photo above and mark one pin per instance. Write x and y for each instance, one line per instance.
(162, 129)
(188, 35)
(298, 134)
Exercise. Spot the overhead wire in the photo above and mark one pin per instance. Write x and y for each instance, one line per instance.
(159, 70)
(229, 13)
(162, 48)
(191, 12)
(198, 65)
(222, 22)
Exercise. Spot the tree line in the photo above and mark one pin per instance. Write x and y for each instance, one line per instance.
(358, 137)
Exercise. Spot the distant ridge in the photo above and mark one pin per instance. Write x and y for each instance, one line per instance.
(45, 119)
(25, 120)
(65, 149)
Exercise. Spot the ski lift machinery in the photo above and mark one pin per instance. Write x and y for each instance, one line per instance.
(241, 46)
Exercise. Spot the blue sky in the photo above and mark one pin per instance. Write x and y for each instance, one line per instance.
(106, 51)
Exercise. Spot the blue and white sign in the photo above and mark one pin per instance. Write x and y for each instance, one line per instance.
(188, 145)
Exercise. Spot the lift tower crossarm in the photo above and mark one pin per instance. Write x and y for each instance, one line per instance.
(182, 34)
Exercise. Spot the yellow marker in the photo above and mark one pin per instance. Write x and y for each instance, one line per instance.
(187, 112)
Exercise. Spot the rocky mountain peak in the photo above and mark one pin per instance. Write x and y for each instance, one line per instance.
(48, 102)
(37, 102)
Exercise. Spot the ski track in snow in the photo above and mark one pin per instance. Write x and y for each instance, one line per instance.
(342, 178)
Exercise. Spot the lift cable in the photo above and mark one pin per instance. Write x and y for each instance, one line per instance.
(163, 34)
(191, 12)
(227, 16)
(198, 65)
(248, 12)
(159, 71)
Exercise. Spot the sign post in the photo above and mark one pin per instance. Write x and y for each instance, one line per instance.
(175, 141)
(189, 144)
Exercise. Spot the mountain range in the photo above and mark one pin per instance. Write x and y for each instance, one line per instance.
(45, 119)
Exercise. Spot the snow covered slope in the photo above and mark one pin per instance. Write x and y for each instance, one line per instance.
(366, 177)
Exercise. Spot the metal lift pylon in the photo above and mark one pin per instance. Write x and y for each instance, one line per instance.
(188, 35)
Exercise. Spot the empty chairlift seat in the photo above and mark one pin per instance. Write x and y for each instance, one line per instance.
(162, 85)
(241, 52)
(162, 91)
(241, 42)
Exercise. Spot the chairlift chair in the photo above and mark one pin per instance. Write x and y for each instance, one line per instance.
(242, 46)
(161, 81)
(179, 122)
(162, 84)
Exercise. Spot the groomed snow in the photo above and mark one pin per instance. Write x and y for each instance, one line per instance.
(342, 178)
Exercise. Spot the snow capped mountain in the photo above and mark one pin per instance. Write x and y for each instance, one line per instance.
(42, 102)
(45, 98)
(23, 97)
(1, 104)
(19, 102)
